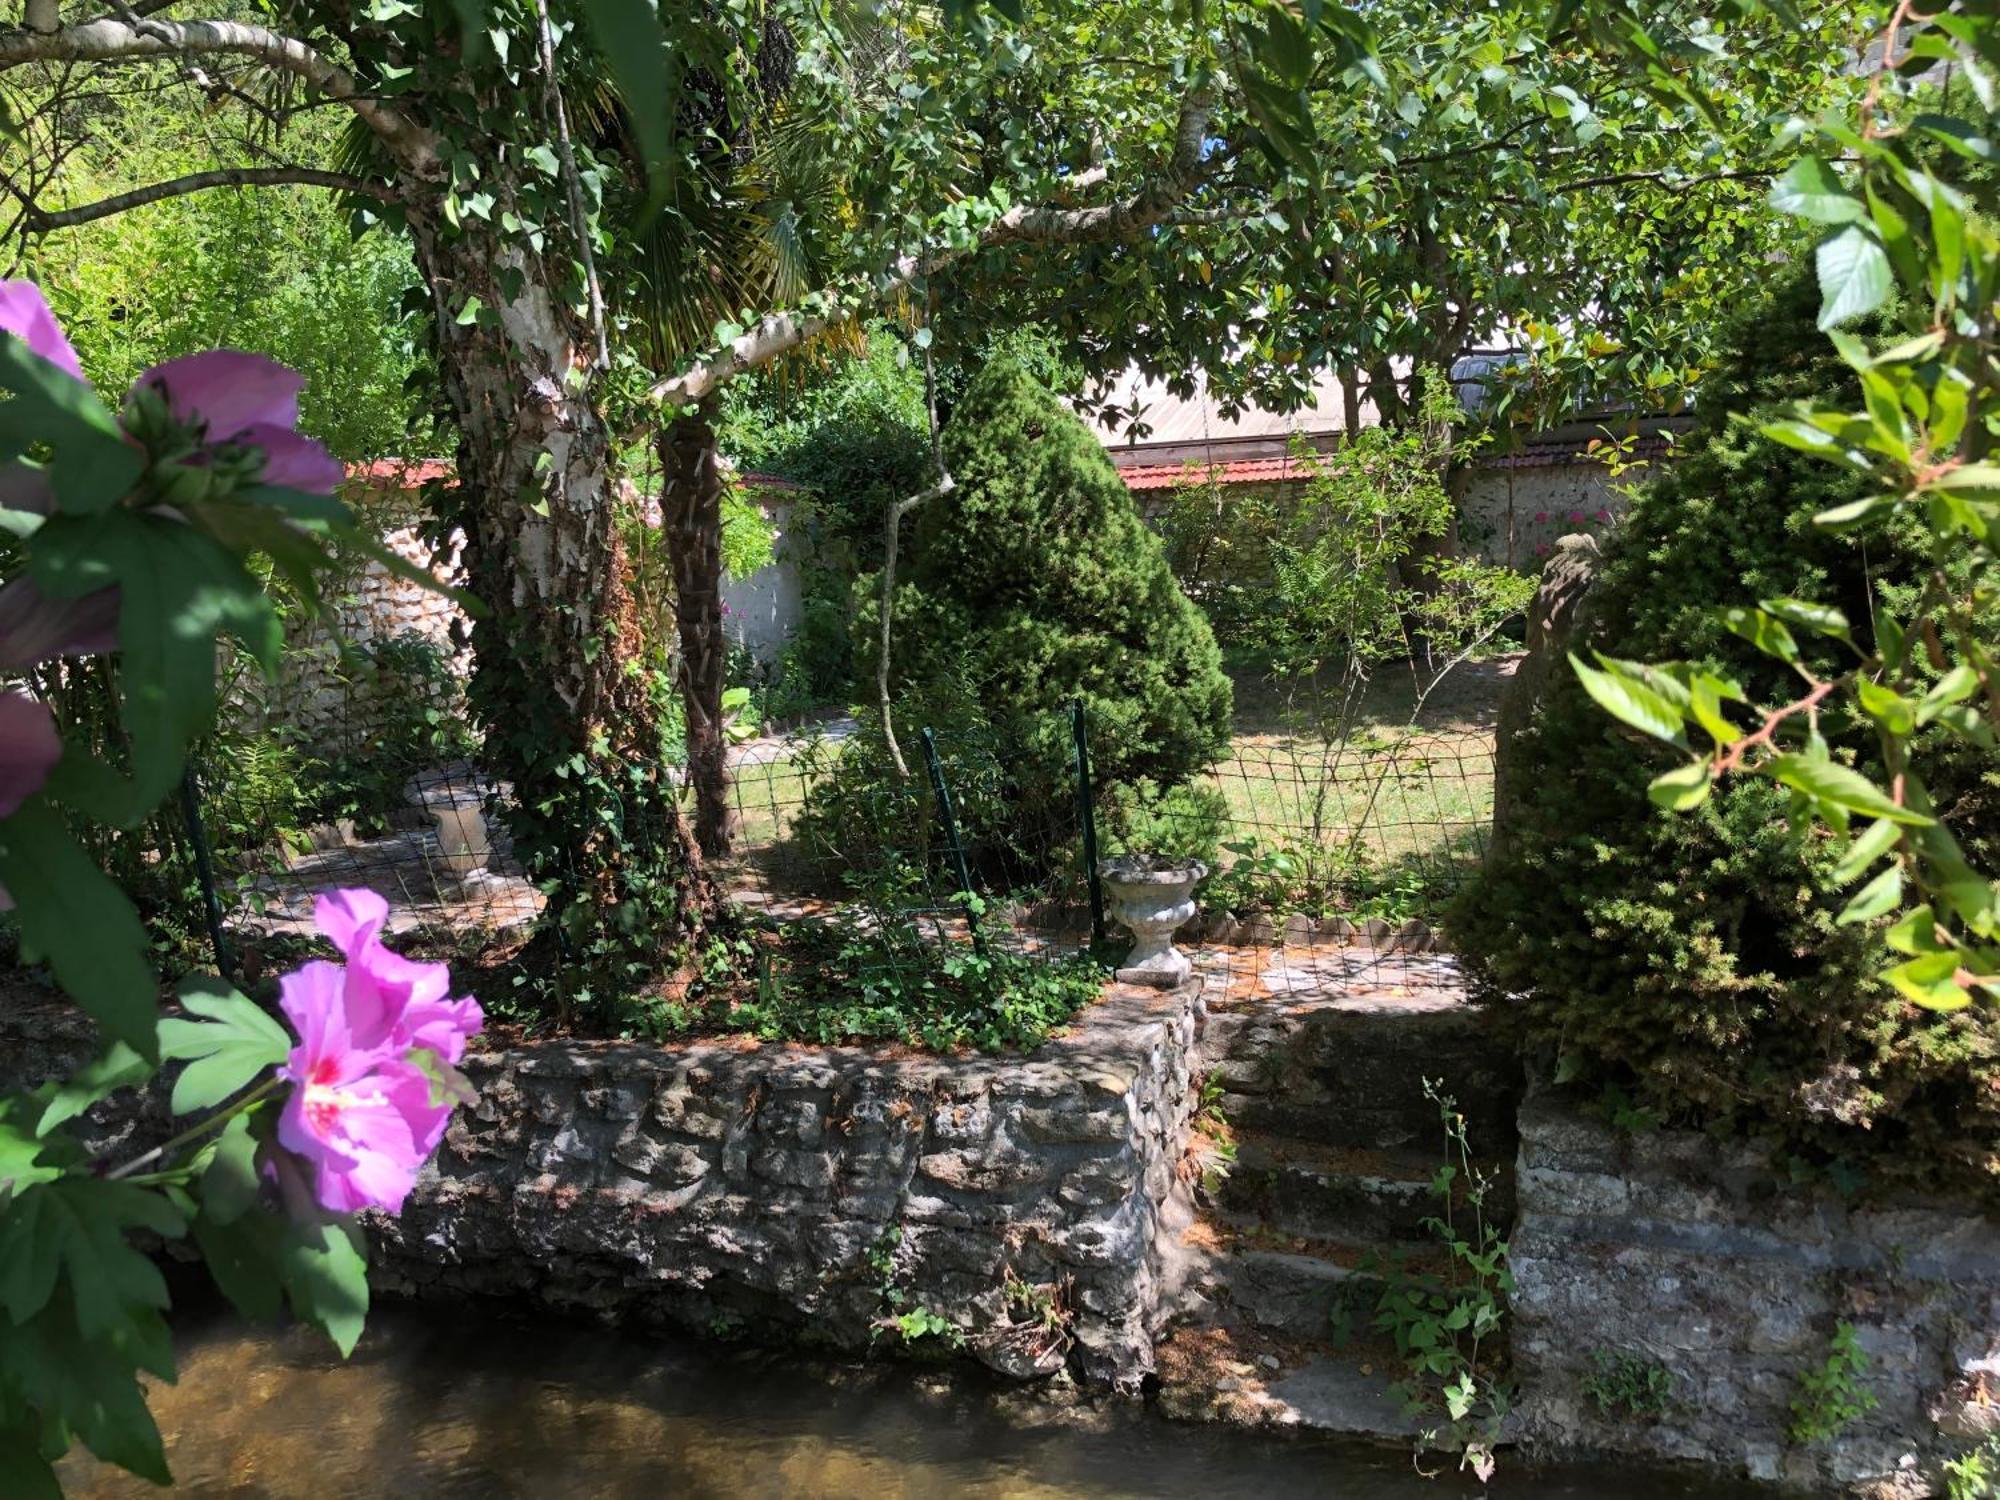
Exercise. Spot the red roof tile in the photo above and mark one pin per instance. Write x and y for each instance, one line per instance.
(1242, 471)
(408, 473)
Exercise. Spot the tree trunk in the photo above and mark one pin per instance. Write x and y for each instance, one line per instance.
(691, 513)
(565, 721)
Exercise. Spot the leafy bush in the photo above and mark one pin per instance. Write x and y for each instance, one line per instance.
(1696, 959)
(1036, 583)
(1179, 822)
(412, 717)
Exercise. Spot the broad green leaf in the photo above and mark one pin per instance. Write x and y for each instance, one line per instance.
(94, 467)
(24, 1473)
(1914, 932)
(1930, 981)
(88, 1384)
(1812, 189)
(75, 917)
(1880, 896)
(225, 1052)
(1766, 632)
(245, 1257)
(1821, 618)
(1854, 276)
(229, 1181)
(63, 1099)
(1854, 512)
(1896, 714)
(1630, 700)
(1706, 694)
(1682, 788)
(325, 1269)
(1829, 782)
(1867, 847)
(633, 42)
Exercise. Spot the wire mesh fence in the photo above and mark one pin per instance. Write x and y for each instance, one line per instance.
(1330, 847)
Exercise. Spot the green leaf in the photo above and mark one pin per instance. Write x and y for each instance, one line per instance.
(325, 1270)
(178, 589)
(1764, 631)
(225, 1052)
(94, 467)
(1854, 276)
(63, 1099)
(1931, 981)
(1896, 714)
(1880, 896)
(630, 36)
(1821, 618)
(1831, 783)
(245, 1259)
(24, 1473)
(1878, 840)
(230, 1183)
(1840, 517)
(1682, 788)
(1914, 932)
(1812, 189)
(72, 914)
(1629, 700)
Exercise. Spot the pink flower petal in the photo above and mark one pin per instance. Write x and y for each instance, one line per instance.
(350, 916)
(34, 627)
(295, 461)
(24, 312)
(29, 749)
(229, 391)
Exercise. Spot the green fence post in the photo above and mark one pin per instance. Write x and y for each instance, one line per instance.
(1086, 812)
(943, 795)
(204, 865)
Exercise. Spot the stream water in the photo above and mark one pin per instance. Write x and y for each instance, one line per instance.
(464, 1404)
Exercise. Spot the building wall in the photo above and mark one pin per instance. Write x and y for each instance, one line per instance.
(1513, 515)
(761, 612)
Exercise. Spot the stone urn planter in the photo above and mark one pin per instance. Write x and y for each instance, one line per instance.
(1152, 895)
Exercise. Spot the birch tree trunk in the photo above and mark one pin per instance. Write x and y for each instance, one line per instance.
(691, 514)
(566, 722)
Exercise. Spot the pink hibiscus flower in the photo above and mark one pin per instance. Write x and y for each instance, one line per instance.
(230, 398)
(363, 1113)
(394, 1000)
(361, 1117)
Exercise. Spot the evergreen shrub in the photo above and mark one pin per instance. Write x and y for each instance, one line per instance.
(1694, 959)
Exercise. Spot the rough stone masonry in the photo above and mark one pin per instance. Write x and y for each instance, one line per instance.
(825, 1190)
(1670, 1251)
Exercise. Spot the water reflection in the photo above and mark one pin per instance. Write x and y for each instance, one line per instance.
(468, 1403)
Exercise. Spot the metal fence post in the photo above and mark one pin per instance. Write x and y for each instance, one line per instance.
(1086, 812)
(943, 795)
(204, 865)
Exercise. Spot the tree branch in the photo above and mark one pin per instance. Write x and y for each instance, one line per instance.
(40, 220)
(113, 41)
(1153, 204)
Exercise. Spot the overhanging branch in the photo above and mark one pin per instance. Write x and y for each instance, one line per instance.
(39, 219)
(1153, 204)
(117, 41)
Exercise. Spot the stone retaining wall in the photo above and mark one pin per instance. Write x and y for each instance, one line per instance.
(820, 1191)
(1669, 1251)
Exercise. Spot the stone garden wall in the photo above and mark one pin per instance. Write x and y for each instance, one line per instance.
(822, 1192)
(1668, 1260)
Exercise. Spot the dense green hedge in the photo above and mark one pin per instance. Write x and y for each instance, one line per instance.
(1032, 584)
(1694, 959)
